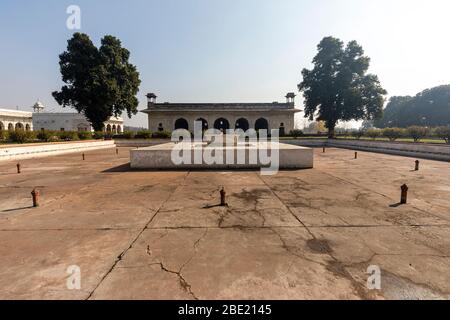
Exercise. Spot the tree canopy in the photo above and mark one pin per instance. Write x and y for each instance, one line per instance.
(99, 82)
(428, 108)
(339, 87)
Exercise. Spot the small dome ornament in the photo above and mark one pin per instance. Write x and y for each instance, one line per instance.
(38, 107)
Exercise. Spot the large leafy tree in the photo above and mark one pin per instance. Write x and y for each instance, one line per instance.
(99, 82)
(430, 107)
(338, 87)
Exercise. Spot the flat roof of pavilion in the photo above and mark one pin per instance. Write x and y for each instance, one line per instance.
(274, 106)
(15, 113)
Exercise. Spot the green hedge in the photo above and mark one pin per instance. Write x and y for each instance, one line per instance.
(443, 133)
(128, 135)
(53, 136)
(68, 136)
(416, 133)
(373, 133)
(21, 136)
(161, 135)
(45, 135)
(4, 135)
(393, 133)
(296, 133)
(144, 134)
(85, 135)
(99, 135)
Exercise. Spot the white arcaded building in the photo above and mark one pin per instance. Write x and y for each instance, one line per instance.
(15, 120)
(71, 122)
(222, 116)
(65, 121)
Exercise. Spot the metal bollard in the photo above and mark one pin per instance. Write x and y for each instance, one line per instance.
(417, 165)
(18, 168)
(323, 149)
(117, 151)
(83, 156)
(35, 193)
(404, 196)
(223, 194)
(356, 155)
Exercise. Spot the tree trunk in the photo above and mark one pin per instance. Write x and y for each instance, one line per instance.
(98, 127)
(331, 133)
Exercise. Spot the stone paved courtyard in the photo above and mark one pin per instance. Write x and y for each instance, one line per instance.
(308, 234)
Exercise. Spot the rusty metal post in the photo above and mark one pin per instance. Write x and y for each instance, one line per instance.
(223, 194)
(417, 165)
(117, 151)
(404, 196)
(323, 149)
(35, 193)
(18, 168)
(83, 156)
(356, 155)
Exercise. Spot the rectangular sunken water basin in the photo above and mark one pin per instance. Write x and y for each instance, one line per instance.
(159, 157)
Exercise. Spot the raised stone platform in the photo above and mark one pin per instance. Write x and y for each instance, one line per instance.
(161, 156)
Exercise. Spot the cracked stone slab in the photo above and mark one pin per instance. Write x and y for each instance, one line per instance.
(307, 234)
(415, 260)
(86, 210)
(219, 263)
(346, 204)
(217, 179)
(34, 263)
(385, 174)
(250, 206)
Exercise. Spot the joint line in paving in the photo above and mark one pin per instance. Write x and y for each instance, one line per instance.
(376, 192)
(120, 257)
(290, 211)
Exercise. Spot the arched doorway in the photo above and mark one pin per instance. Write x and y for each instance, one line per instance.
(2, 127)
(108, 128)
(261, 124)
(27, 127)
(19, 126)
(222, 124)
(204, 123)
(119, 129)
(242, 124)
(10, 127)
(181, 124)
(114, 129)
(282, 130)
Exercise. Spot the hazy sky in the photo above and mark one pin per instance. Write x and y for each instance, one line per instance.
(224, 50)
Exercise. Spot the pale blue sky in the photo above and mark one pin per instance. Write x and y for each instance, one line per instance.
(224, 50)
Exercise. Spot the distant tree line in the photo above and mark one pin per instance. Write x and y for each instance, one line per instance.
(416, 133)
(429, 108)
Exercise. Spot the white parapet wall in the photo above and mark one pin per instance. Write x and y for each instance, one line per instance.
(139, 143)
(19, 152)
